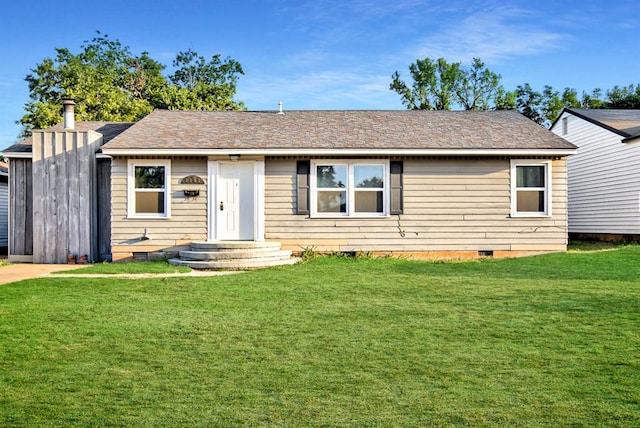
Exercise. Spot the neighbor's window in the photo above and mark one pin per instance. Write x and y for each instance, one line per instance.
(149, 188)
(530, 188)
(341, 188)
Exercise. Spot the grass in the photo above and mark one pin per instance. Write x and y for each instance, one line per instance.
(542, 341)
(159, 266)
(577, 246)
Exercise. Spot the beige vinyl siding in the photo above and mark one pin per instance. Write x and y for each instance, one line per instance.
(604, 189)
(449, 205)
(188, 221)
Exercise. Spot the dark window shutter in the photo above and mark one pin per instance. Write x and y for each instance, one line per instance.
(302, 186)
(396, 187)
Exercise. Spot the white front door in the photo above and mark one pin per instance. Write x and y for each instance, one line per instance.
(234, 205)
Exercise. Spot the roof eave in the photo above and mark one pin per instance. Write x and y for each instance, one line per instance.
(332, 152)
(17, 155)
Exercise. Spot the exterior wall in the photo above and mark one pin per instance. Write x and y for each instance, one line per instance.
(20, 210)
(188, 221)
(103, 208)
(604, 188)
(452, 207)
(4, 207)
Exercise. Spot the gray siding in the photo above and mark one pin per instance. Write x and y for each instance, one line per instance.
(4, 207)
(604, 187)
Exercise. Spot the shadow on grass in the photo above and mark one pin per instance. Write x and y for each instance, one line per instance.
(620, 264)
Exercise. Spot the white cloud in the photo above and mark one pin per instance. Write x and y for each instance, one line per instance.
(330, 23)
(493, 35)
(326, 90)
(630, 24)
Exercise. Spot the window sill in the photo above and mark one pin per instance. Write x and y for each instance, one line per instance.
(530, 215)
(147, 217)
(358, 216)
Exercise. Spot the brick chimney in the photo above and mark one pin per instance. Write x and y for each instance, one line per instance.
(68, 116)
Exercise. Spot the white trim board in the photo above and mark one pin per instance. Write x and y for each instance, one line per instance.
(347, 152)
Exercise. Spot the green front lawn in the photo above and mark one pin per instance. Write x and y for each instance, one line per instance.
(542, 341)
(159, 266)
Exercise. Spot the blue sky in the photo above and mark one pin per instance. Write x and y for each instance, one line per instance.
(335, 54)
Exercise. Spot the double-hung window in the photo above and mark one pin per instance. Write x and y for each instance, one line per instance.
(149, 188)
(530, 188)
(349, 188)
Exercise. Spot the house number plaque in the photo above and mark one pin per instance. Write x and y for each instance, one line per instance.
(192, 179)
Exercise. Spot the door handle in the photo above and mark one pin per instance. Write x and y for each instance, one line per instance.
(221, 206)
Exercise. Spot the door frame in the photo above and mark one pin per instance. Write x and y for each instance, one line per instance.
(213, 173)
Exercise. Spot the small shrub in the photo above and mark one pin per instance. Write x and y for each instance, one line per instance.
(308, 253)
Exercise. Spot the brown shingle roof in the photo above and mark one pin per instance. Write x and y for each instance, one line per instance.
(389, 130)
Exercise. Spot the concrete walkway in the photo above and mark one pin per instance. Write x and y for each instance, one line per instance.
(19, 271)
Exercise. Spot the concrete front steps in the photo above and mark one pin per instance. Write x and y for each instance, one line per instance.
(233, 255)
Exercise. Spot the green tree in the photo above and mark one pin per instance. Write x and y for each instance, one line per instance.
(109, 83)
(505, 100)
(528, 102)
(477, 87)
(433, 86)
(198, 84)
(593, 100)
(99, 78)
(440, 85)
(570, 98)
(625, 97)
(551, 105)
(544, 107)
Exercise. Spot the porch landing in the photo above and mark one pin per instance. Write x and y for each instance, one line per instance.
(234, 255)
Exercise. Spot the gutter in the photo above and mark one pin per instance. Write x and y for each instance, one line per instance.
(17, 155)
(348, 152)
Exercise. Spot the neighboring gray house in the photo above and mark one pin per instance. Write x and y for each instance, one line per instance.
(4, 207)
(604, 185)
(407, 183)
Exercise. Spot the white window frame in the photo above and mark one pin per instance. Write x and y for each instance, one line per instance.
(350, 188)
(547, 189)
(131, 190)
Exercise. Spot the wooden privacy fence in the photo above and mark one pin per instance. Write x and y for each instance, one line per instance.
(64, 195)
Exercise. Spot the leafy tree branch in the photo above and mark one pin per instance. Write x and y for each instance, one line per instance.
(109, 83)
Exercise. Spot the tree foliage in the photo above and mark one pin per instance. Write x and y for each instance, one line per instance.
(478, 87)
(198, 84)
(545, 107)
(109, 83)
(627, 97)
(440, 85)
